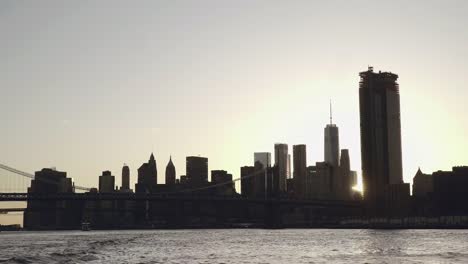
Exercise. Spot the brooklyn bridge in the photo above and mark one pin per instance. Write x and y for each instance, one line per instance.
(196, 207)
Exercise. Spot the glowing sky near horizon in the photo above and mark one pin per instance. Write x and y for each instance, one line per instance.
(89, 85)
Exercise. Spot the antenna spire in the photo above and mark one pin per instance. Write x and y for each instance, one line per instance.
(331, 113)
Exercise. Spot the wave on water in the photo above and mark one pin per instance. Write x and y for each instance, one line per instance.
(236, 246)
(22, 260)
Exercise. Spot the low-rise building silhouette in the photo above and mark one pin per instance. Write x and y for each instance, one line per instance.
(442, 192)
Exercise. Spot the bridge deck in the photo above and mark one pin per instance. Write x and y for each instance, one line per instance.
(11, 210)
(158, 197)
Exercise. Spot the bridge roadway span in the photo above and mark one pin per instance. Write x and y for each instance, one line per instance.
(11, 210)
(162, 197)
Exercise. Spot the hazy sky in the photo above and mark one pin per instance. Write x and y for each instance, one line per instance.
(89, 85)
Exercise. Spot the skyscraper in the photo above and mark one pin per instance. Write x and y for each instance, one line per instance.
(247, 181)
(319, 181)
(147, 176)
(125, 177)
(51, 214)
(345, 188)
(264, 158)
(379, 102)
(300, 170)
(354, 179)
(344, 160)
(106, 182)
(261, 180)
(281, 162)
(51, 181)
(197, 170)
(332, 143)
(170, 172)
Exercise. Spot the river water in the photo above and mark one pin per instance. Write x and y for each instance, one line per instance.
(236, 246)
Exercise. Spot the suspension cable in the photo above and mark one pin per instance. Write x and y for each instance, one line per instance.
(218, 184)
(28, 175)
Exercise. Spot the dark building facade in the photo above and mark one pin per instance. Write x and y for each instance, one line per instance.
(147, 176)
(257, 181)
(423, 184)
(170, 173)
(344, 179)
(319, 182)
(281, 163)
(51, 214)
(197, 170)
(106, 182)
(220, 176)
(224, 179)
(183, 179)
(379, 102)
(247, 181)
(300, 170)
(442, 192)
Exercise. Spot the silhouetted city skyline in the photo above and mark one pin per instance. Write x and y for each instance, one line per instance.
(323, 192)
(233, 131)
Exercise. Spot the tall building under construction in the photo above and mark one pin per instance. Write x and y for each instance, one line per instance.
(379, 102)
